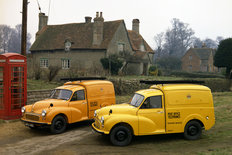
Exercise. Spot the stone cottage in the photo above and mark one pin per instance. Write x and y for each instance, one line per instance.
(199, 60)
(78, 47)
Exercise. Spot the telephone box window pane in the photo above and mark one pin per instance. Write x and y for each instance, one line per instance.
(1, 89)
(17, 87)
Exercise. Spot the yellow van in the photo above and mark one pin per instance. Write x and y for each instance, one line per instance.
(167, 107)
(73, 102)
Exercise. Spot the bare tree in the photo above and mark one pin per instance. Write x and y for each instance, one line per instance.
(178, 39)
(5, 35)
(10, 39)
(159, 40)
(197, 43)
(210, 43)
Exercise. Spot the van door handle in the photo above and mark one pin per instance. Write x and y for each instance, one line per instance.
(84, 102)
(160, 112)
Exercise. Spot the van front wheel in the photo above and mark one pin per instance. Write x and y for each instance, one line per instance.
(193, 130)
(121, 136)
(58, 125)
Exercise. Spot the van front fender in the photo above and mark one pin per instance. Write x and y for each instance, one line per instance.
(56, 111)
(113, 120)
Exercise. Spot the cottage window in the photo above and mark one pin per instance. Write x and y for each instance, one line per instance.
(190, 57)
(142, 48)
(67, 45)
(65, 63)
(190, 67)
(43, 63)
(121, 47)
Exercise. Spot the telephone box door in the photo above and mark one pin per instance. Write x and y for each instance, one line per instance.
(2, 93)
(17, 88)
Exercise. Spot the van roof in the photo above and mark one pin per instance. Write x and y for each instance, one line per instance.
(88, 82)
(180, 87)
(71, 87)
(149, 92)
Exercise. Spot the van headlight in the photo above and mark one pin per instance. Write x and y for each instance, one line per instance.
(43, 113)
(23, 109)
(95, 113)
(102, 121)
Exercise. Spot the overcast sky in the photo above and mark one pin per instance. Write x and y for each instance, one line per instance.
(208, 18)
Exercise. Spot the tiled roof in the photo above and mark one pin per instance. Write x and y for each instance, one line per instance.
(136, 40)
(203, 53)
(80, 34)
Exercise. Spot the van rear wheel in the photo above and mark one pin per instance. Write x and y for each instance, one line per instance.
(121, 136)
(58, 125)
(193, 130)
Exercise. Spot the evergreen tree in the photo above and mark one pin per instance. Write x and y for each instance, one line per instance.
(223, 56)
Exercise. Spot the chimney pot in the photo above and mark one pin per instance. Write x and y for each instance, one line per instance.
(88, 19)
(135, 25)
(98, 25)
(43, 20)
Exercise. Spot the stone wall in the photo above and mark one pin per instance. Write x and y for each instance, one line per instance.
(81, 62)
(122, 87)
(128, 87)
(37, 95)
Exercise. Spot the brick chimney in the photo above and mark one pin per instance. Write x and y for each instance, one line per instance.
(135, 25)
(98, 29)
(88, 19)
(43, 20)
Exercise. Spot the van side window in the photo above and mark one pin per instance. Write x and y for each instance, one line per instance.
(78, 95)
(152, 102)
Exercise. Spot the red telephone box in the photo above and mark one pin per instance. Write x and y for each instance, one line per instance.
(13, 85)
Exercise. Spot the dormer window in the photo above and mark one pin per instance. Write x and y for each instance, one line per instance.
(190, 57)
(121, 47)
(142, 48)
(67, 45)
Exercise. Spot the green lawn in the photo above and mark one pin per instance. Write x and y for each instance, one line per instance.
(217, 140)
(40, 84)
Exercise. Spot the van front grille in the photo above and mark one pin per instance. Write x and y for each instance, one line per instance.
(32, 117)
(97, 123)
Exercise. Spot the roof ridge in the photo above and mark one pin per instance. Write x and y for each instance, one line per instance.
(84, 23)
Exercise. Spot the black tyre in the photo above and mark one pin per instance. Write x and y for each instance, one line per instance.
(193, 130)
(33, 128)
(121, 136)
(58, 125)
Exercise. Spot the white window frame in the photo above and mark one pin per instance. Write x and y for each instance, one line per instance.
(190, 67)
(65, 63)
(43, 63)
(121, 47)
(142, 48)
(190, 57)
